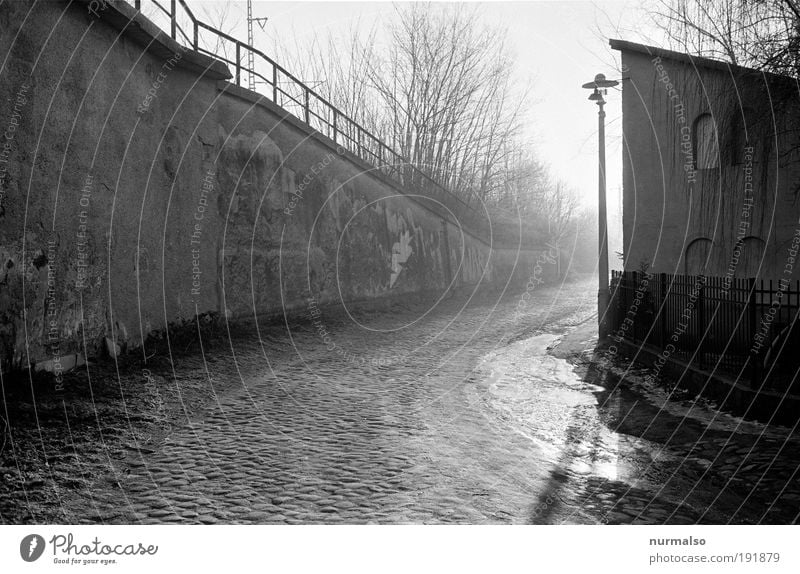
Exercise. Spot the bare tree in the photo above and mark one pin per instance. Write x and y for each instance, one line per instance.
(219, 16)
(437, 89)
(525, 181)
(559, 205)
(444, 84)
(335, 69)
(437, 86)
(764, 34)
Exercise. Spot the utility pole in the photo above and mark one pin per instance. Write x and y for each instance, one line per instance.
(250, 58)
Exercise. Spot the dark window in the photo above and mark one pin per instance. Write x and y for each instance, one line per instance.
(706, 144)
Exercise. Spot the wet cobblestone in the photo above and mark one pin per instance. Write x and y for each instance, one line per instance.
(471, 421)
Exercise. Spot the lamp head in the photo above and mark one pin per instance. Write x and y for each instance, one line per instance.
(601, 82)
(599, 87)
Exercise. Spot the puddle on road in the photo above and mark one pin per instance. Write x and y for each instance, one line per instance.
(571, 425)
(555, 409)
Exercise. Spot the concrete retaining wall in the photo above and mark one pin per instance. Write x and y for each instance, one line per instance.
(140, 189)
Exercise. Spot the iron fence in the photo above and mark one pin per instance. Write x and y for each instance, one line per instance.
(744, 327)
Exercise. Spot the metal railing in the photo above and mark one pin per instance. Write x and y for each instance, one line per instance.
(294, 96)
(747, 328)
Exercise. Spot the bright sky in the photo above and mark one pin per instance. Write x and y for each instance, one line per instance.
(559, 45)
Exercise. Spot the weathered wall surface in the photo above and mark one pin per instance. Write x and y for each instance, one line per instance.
(738, 218)
(140, 189)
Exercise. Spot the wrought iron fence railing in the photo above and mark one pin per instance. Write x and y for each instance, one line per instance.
(743, 327)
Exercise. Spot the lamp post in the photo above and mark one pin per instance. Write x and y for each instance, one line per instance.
(599, 88)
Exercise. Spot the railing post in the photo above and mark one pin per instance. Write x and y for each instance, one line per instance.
(335, 128)
(138, 5)
(196, 36)
(612, 316)
(274, 84)
(755, 368)
(662, 309)
(173, 19)
(701, 319)
(238, 63)
(306, 109)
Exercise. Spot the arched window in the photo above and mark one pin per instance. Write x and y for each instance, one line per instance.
(698, 257)
(706, 144)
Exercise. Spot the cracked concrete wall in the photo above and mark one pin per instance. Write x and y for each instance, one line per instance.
(138, 193)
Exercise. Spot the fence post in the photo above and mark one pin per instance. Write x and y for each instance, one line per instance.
(755, 370)
(238, 64)
(619, 301)
(614, 305)
(629, 301)
(173, 19)
(662, 308)
(701, 319)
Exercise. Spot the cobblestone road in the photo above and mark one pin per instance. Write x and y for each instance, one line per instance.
(464, 414)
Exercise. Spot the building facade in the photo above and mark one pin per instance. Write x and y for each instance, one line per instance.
(711, 167)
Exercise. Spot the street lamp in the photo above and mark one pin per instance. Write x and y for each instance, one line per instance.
(599, 88)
